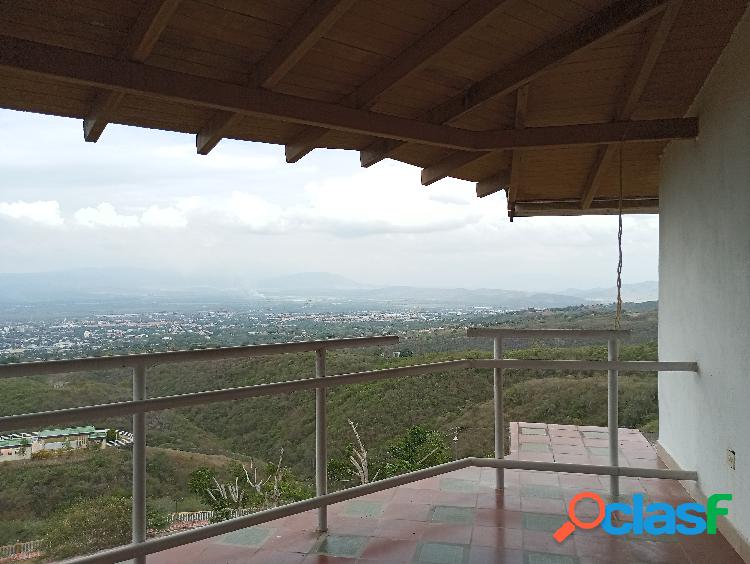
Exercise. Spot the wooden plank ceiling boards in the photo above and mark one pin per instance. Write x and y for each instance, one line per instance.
(538, 98)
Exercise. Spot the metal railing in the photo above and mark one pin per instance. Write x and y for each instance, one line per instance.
(28, 547)
(140, 405)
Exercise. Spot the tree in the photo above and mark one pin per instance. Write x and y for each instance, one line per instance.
(89, 526)
(249, 490)
(418, 448)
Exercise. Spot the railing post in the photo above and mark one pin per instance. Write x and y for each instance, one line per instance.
(321, 440)
(612, 415)
(499, 415)
(139, 461)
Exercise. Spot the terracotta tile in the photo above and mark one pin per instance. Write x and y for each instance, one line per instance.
(536, 439)
(426, 484)
(488, 517)
(542, 505)
(540, 478)
(326, 559)
(290, 540)
(447, 533)
(266, 556)
(456, 499)
(566, 448)
(501, 500)
(492, 555)
(347, 525)
(580, 482)
(536, 456)
(573, 458)
(657, 552)
(603, 548)
(709, 548)
(400, 529)
(542, 541)
(497, 537)
(390, 550)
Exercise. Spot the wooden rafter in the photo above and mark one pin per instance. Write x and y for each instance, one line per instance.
(505, 180)
(26, 57)
(269, 71)
(414, 58)
(492, 184)
(151, 22)
(637, 83)
(615, 19)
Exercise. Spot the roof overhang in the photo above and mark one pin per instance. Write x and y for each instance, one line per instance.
(564, 105)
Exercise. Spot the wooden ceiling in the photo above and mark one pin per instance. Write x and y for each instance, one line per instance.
(560, 102)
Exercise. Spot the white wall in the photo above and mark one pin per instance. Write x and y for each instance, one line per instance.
(704, 285)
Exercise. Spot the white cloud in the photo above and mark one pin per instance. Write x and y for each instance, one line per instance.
(382, 201)
(104, 215)
(45, 212)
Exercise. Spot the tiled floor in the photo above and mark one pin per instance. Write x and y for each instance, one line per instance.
(459, 518)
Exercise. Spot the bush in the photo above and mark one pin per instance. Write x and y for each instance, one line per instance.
(89, 526)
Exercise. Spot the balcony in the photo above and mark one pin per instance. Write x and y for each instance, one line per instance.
(459, 517)
(501, 509)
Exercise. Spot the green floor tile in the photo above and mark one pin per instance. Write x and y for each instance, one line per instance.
(252, 536)
(341, 545)
(535, 447)
(448, 514)
(547, 558)
(363, 508)
(543, 521)
(546, 492)
(441, 553)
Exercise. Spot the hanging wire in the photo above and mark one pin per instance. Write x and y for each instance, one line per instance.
(618, 308)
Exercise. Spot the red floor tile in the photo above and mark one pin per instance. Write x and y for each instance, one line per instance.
(447, 533)
(390, 550)
(496, 533)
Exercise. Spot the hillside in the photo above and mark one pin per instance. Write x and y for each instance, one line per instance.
(184, 439)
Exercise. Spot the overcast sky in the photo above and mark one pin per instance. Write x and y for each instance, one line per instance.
(144, 198)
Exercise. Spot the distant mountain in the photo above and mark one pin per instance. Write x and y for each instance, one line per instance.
(100, 284)
(639, 292)
(124, 288)
(309, 281)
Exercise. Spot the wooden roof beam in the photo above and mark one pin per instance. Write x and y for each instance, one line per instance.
(522, 99)
(639, 78)
(604, 206)
(317, 20)
(414, 58)
(615, 19)
(152, 20)
(27, 57)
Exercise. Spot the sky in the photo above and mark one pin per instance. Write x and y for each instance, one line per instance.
(144, 199)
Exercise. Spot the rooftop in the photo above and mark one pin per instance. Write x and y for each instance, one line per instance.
(460, 518)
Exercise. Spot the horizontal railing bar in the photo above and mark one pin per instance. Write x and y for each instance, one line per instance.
(633, 472)
(151, 546)
(15, 370)
(159, 544)
(545, 333)
(11, 422)
(622, 365)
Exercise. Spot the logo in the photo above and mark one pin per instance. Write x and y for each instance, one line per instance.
(655, 518)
